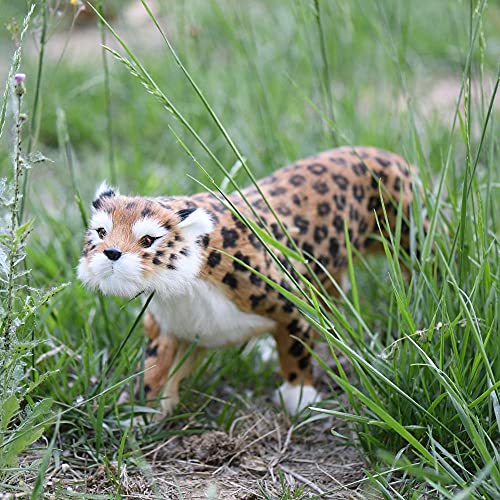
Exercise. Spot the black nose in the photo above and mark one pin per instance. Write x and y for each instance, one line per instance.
(112, 253)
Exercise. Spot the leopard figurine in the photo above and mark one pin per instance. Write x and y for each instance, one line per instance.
(182, 248)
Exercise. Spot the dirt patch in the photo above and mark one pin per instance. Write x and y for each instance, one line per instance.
(262, 455)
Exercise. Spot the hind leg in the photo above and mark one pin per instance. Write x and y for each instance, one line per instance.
(297, 392)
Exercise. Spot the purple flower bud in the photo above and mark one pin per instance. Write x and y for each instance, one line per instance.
(19, 77)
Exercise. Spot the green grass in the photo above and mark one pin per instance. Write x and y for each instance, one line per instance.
(424, 351)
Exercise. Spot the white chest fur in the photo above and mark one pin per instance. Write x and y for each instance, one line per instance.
(203, 311)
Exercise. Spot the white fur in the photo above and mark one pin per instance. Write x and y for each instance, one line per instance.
(196, 224)
(101, 219)
(203, 311)
(122, 277)
(148, 226)
(296, 397)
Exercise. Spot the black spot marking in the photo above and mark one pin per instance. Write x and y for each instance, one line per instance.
(170, 244)
(353, 213)
(333, 247)
(339, 200)
(244, 258)
(323, 209)
(239, 224)
(229, 237)
(296, 349)
(277, 191)
(341, 181)
(203, 241)
(230, 280)
(403, 169)
(214, 258)
(256, 300)
(338, 222)
(271, 309)
(378, 176)
(254, 278)
(275, 229)
(294, 327)
(184, 251)
(397, 184)
(147, 389)
(218, 207)
(130, 205)
(319, 266)
(178, 237)
(321, 187)
(338, 161)
(184, 213)
(359, 169)
(252, 238)
(146, 211)
(171, 267)
(270, 179)
(358, 192)
(373, 203)
(283, 210)
(316, 168)
(167, 226)
(381, 161)
(301, 223)
(307, 248)
(156, 261)
(320, 233)
(297, 180)
(363, 226)
(292, 376)
(260, 204)
(151, 350)
(304, 362)
(288, 306)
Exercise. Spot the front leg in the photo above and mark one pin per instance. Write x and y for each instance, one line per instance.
(185, 360)
(168, 361)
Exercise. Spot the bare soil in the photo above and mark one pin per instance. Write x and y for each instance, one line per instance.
(260, 455)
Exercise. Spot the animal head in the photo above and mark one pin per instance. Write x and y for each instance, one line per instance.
(136, 245)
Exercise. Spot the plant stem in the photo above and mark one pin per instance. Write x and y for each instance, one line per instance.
(107, 97)
(18, 167)
(36, 99)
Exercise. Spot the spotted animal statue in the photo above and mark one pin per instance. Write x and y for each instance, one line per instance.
(182, 248)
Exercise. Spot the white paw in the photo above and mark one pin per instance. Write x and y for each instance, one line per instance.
(296, 397)
(168, 404)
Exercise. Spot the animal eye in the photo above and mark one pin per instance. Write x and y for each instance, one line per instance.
(101, 232)
(147, 241)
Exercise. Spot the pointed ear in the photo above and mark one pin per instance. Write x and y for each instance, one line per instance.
(195, 222)
(103, 192)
